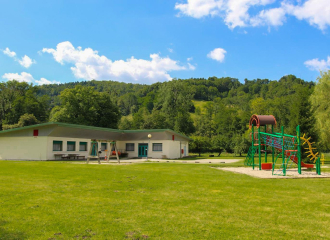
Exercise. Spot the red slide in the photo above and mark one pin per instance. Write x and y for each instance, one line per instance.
(295, 160)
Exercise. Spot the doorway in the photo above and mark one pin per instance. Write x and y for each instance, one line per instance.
(95, 149)
(143, 149)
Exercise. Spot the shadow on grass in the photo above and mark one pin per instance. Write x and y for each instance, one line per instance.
(10, 235)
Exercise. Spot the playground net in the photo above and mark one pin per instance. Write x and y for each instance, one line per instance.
(290, 143)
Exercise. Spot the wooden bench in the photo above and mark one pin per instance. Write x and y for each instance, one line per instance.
(58, 156)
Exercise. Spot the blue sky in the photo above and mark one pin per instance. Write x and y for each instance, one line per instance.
(156, 40)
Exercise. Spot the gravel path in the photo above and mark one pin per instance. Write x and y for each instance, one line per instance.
(291, 173)
(199, 161)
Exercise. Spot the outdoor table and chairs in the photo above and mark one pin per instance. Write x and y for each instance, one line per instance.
(61, 156)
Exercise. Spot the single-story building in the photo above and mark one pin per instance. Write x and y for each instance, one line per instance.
(51, 141)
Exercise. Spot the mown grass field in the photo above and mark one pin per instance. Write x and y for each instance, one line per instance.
(61, 200)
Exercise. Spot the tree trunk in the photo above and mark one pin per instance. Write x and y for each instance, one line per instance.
(220, 151)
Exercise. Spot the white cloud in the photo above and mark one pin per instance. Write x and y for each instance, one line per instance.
(270, 17)
(88, 65)
(217, 54)
(189, 59)
(44, 81)
(316, 12)
(27, 77)
(23, 77)
(236, 13)
(9, 53)
(191, 67)
(318, 65)
(170, 50)
(200, 8)
(26, 61)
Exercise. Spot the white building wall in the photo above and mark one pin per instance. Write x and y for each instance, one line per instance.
(185, 146)
(23, 148)
(170, 149)
(51, 153)
(41, 148)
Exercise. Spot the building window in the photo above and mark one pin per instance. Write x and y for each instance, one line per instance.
(103, 146)
(83, 146)
(129, 146)
(71, 146)
(57, 145)
(157, 147)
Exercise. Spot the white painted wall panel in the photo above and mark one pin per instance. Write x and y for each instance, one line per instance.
(23, 148)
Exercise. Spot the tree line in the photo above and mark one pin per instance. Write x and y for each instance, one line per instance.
(214, 112)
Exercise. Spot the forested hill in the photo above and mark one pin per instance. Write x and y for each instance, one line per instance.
(215, 108)
(131, 97)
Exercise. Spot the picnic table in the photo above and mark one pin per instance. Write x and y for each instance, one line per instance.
(73, 156)
(58, 156)
(62, 156)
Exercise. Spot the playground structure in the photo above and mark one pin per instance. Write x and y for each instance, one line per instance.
(94, 148)
(284, 148)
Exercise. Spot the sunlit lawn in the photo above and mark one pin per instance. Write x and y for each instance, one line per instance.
(56, 200)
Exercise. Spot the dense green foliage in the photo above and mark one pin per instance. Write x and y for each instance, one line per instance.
(85, 106)
(216, 110)
(321, 104)
(54, 200)
(17, 99)
(24, 120)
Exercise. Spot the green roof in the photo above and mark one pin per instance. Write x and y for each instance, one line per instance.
(92, 128)
(156, 130)
(62, 125)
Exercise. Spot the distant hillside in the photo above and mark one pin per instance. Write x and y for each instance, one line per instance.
(131, 97)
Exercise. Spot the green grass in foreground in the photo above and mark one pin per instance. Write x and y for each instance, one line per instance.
(56, 200)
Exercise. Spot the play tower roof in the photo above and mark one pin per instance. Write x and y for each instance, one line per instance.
(262, 120)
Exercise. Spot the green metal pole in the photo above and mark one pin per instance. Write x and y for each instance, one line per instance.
(265, 146)
(286, 135)
(283, 154)
(318, 166)
(259, 141)
(299, 149)
(252, 147)
(273, 149)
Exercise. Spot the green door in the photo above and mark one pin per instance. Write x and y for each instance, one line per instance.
(143, 149)
(95, 149)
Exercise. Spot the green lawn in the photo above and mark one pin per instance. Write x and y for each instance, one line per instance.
(58, 200)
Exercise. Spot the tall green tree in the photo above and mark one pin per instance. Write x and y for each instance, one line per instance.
(320, 100)
(29, 103)
(199, 144)
(174, 100)
(86, 106)
(9, 91)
